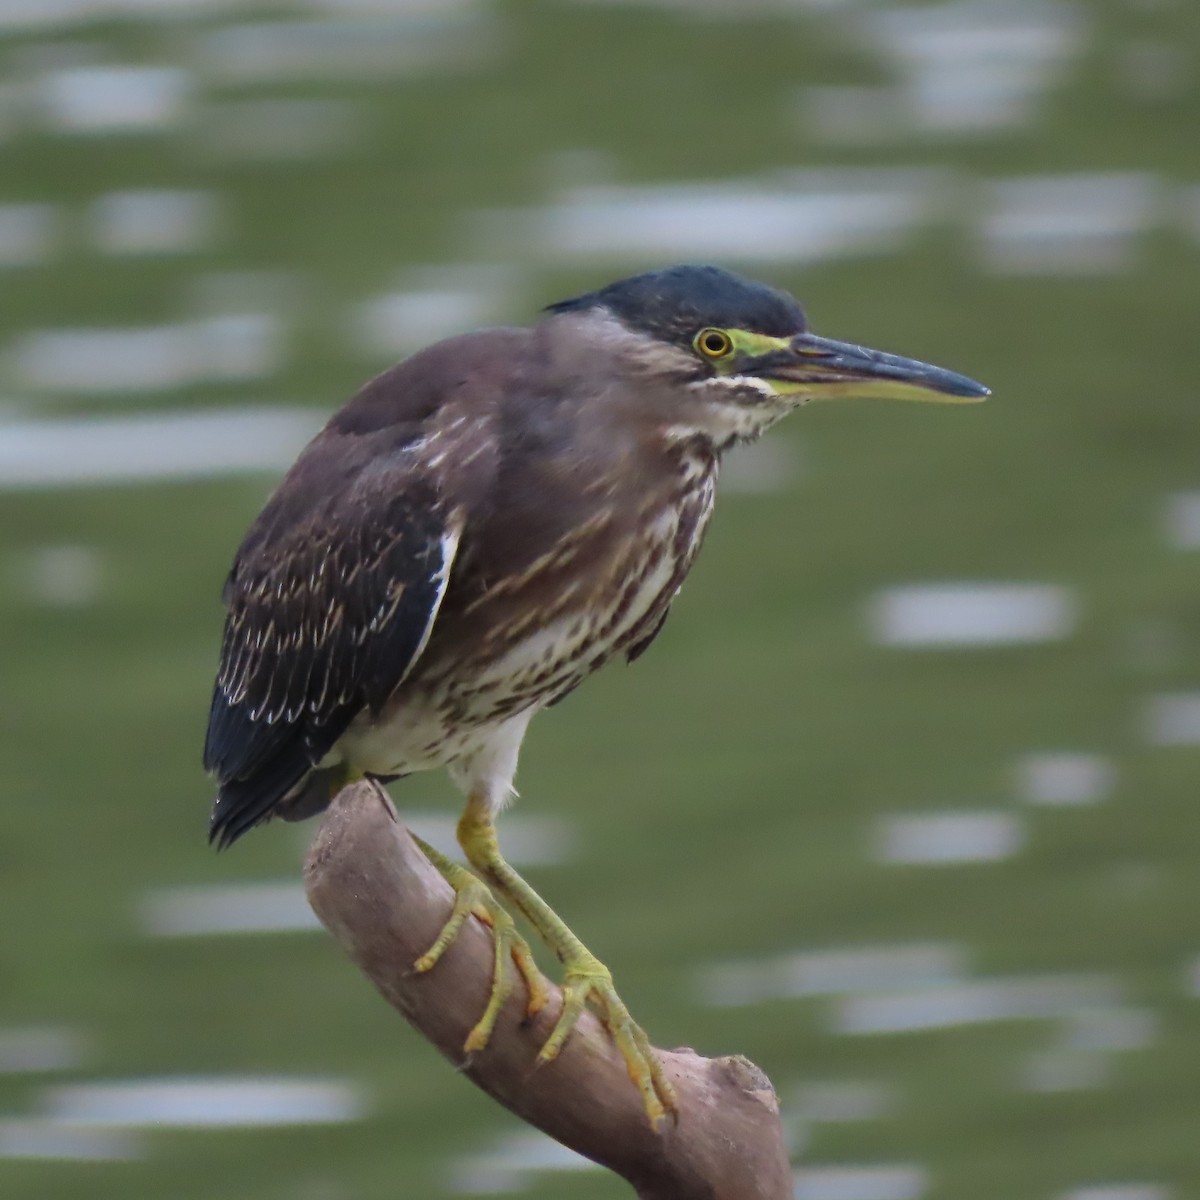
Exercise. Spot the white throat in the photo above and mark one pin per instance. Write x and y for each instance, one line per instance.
(734, 408)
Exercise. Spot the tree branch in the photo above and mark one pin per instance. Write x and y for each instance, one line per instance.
(385, 903)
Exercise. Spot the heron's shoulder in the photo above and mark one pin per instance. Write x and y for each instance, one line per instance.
(405, 440)
(464, 371)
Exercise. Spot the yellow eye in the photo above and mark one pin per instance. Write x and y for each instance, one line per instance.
(713, 343)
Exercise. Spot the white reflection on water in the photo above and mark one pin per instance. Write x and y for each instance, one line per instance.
(832, 972)
(1111, 1029)
(1068, 224)
(973, 1002)
(1064, 778)
(200, 1102)
(64, 576)
(1183, 520)
(40, 1048)
(115, 99)
(853, 1181)
(29, 233)
(976, 64)
(1064, 1070)
(431, 303)
(280, 128)
(798, 216)
(230, 908)
(54, 1141)
(29, 15)
(380, 41)
(947, 837)
(512, 1164)
(153, 221)
(850, 113)
(1119, 1191)
(222, 348)
(157, 447)
(836, 1101)
(1083, 1054)
(1172, 719)
(972, 614)
(758, 468)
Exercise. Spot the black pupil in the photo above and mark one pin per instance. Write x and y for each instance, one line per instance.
(714, 343)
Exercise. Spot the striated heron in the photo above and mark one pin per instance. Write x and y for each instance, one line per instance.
(478, 530)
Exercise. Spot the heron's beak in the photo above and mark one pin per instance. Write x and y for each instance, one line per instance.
(817, 368)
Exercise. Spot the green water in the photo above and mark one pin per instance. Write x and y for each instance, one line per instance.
(723, 790)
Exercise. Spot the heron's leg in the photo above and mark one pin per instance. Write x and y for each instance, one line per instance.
(585, 976)
(473, 899)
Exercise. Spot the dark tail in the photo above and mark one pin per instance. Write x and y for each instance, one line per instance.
(265, 768)
(288, 789)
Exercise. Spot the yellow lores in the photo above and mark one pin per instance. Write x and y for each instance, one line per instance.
(821, 369)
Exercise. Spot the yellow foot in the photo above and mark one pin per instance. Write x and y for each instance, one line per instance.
(587, 978)
(473, 899)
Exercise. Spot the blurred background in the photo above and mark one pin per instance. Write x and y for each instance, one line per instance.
(902, 805)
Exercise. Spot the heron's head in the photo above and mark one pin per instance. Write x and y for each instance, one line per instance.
(742, 354)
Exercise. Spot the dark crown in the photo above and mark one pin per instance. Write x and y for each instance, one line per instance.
(674, 303)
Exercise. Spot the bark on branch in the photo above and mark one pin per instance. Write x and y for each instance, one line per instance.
(381, 899)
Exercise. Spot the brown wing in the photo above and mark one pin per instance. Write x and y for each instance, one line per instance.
(327, 611)
(335, 589)
(330, 600)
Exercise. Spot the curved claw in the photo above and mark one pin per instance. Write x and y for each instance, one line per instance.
(586, 978)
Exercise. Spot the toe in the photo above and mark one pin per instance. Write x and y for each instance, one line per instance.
(473, 899)
(592, 981)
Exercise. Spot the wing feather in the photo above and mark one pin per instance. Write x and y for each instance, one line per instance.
(327, 614)
(336, 587)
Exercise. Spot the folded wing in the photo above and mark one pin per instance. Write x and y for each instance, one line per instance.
(330, 602)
